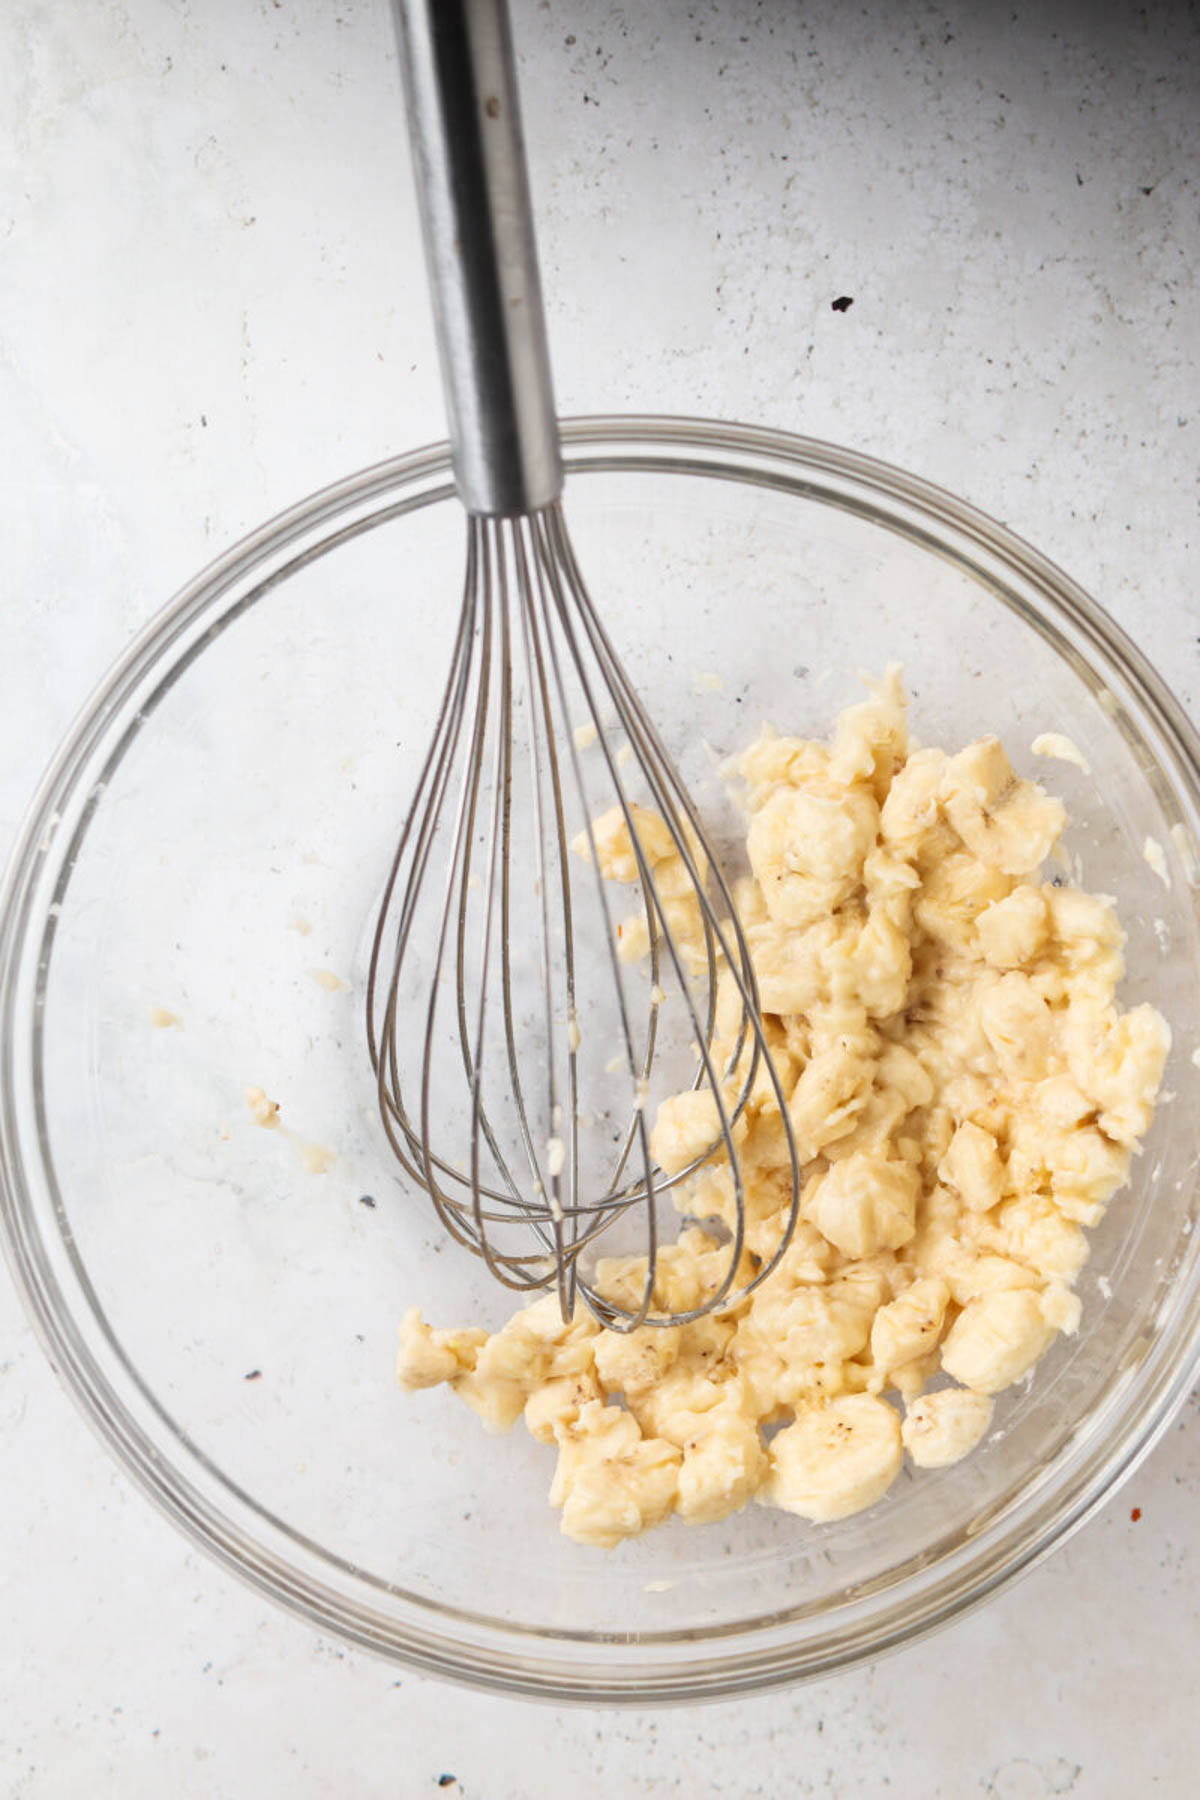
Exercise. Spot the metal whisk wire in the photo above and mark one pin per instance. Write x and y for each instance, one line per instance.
(529, 641)
(504, 925)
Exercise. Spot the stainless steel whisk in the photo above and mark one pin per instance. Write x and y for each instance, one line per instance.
(519, 1052)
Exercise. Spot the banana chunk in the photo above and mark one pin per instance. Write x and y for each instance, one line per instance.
(806, 850)
(996, 1339)
(972, 1165)
(866, 1203)
(615, 850)
(425, 1358)
(1006, 822)
(839, 1457)
(723, 1466)
(686, 1128)
(942, 1428)
(611, 1482)
(909, 1326)
(1012, 931)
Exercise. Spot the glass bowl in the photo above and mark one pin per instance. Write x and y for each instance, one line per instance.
(208, 848)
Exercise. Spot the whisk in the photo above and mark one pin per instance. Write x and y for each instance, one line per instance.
(521, 1034)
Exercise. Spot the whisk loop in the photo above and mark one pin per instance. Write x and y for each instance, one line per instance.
(498, 991)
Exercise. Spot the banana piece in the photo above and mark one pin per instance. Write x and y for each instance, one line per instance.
(973, 1167)
(1012, 931)
(838, 1457)
(610, 1481)
(909, 1326)
(806, 850)
(866, 1203)
(614, 842)
(686, 1127)
(996, 1339)
(942, 1428)
(722, 1467)
(558, 1403)
(1019, 1026)
(425, 1357)
(1008, 823)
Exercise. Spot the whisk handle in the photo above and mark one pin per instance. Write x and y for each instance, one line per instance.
(460, 87)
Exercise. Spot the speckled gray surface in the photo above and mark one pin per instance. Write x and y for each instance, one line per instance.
(213, 305)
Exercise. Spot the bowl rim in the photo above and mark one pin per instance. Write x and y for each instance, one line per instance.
(598, 1668)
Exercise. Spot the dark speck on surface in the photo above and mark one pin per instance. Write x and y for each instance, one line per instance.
(843, 303)
(254, 1375)
(367, 1200)
(447, 1780)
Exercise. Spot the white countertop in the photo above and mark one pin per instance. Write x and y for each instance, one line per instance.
(212, 304)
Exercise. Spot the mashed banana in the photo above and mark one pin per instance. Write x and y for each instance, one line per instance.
(965, 1095)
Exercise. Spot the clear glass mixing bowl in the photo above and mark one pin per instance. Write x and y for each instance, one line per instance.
(216, 829)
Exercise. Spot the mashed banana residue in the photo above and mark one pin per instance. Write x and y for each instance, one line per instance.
(965, 1095)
